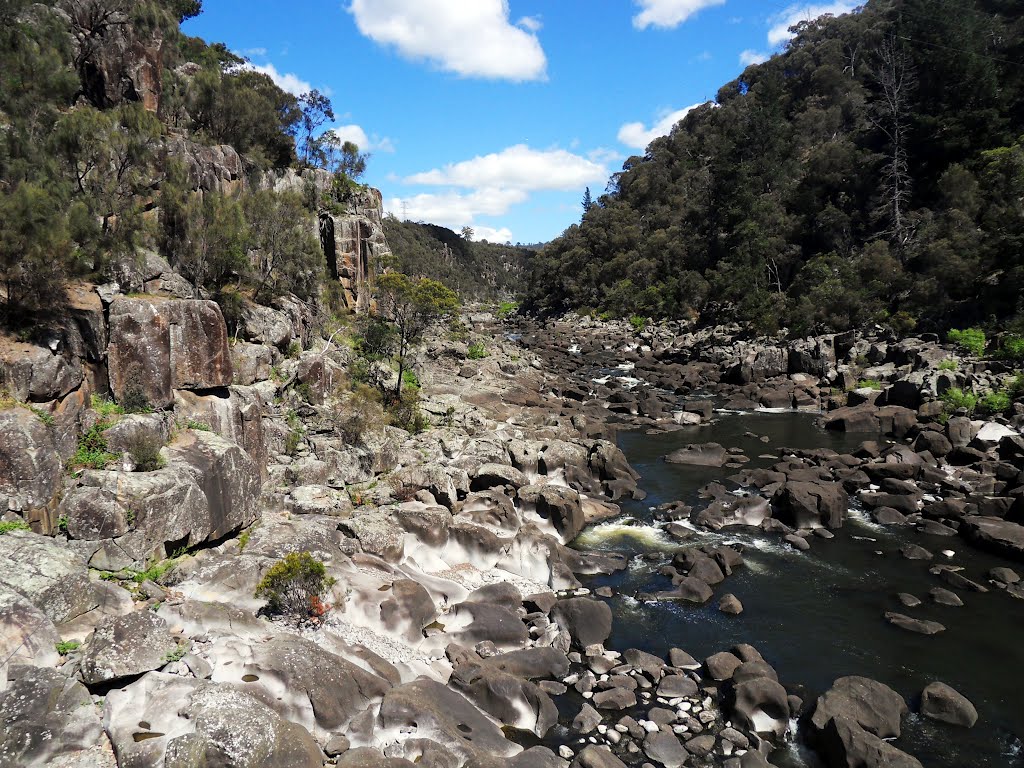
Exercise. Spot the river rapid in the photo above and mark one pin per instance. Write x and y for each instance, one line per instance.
(818, 615)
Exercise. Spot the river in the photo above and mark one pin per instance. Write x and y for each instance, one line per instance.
(818, 615)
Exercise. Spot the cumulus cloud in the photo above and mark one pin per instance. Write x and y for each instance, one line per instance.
(794, 14)
(456, 209)
(285, 81)
(491, 235)
(517, 168)
(638, 136)
(750, 56)
(366, 143)
(530, 23)
(471, 39)
(669, 14)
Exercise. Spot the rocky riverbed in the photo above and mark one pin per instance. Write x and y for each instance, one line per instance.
(460, 631)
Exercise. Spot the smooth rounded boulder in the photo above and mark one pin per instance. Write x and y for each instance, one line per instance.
(945, 704)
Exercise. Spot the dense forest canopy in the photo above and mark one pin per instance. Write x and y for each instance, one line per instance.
(873, 172)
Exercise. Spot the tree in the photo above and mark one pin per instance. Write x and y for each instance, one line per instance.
(316, 111)
(211, 238)
(588, 201)
(412, 305)
(468, 233)
(286, 256)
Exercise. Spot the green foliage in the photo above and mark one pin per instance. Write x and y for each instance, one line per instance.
(404, 412)
(296, 586)
(288, 258)
(949, 364)
(294, 350)
(198, 425)
(955, 398)
(816, 194)
(637, 323)
(105, 407)
(410, 380)
(145, 452)
(994, 403)
(92, 452)
(295, 433)
(6, 526)
(64, 647)
(359, 413)
(176, 655)
(155, 571)
(1012, 348)
(243, 540)
(62, 524)
(971, 340)
(506, 309)
(869, 384)
(477, 351)
(44, 416)
(1015, 389)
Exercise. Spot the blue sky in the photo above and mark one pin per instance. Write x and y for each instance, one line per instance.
(496, 114)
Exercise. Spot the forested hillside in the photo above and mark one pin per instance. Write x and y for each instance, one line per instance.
(873, 172)
(119, 134)
(476, 269)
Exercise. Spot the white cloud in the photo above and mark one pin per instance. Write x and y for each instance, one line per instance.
(254, 51)
(472, 39)
(669, 14)
(491, 235)
(638, 136)
(794, 14)
(358, 136)
(530, 24)
(455, 209)
(517, 168)
(750, 56)
(286, 81)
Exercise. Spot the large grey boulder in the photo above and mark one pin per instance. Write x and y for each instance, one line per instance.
(235, 414)
(30, 372)
(511, 700)
(556, 504)
(666, 749)
(871, 705)
(588, 622)
(844, 744)
(811, 505)
(266, 326)
(47, 574)
(941, 702)
(30, 466)
(761, 704)
(705, 455)
(126, 646)
(997, 535)
(165, 720)
(46, 717)
(427, 709)
(27, 636)
(158, 346)
(596, 757)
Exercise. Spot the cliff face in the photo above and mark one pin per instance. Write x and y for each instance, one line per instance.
(351, 231)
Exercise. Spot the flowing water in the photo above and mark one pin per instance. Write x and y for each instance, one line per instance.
(818, 615)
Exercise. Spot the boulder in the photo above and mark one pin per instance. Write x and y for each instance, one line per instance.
(844, 744)
(47, 574)
(859, 418)
(47, 717)
(30, 467)
(559, 505)
(689, 589)
(126, 646)
(761, 704)
(236, 414)
(34, 373)
(157, 346)
(514, 702)
(706, 455)
(27, 636)
(811, 504)
(596, 757)
(266, 326)
(665, 749)
(492, 475)
(588, 622)
(868, 704)
(721, 665)
(999, 536)
(943, 703)
(730, 604)
(251, 363)
(164, 719)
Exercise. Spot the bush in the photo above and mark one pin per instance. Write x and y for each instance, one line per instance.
(506, 308)
(92, 450)
(994, 403)
(64, 647)
(410, 380)
(105, 407)
(296, 585)
(360, 413)
(869, 384)
(1015, 388)
(145, 452)
(971, 340)
(13, 525)
(405, 413)
(477, 351)
(1013, 348)
(949, 365)
(638, 323)
(955, 399)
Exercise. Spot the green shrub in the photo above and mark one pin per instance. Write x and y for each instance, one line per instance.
(949, 364)
(176, 655)
(955, 399)
(243, 540)
(360, 413)
(405, 413)
(869, 384)
(296, 585)
(294, 437)
(92, 450)
(1015, 388)
(64, 647)
(105, 407)
(44, 416)
(155, 571)
(477, 351)
(994, 403)
(506, 308)
(145, 452)
(1012, 348)
(199, 425)
(294, 350)
(970, 339)
(7, 526)
(410, 380)
(638, 323)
